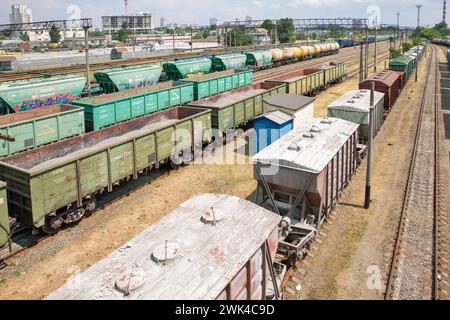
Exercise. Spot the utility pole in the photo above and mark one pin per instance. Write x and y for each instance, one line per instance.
(86, 50)
(192, 40)
(173, 39)
(375, 68)
(366, 57)
(369, 146)
(398, 26)
(361, 64)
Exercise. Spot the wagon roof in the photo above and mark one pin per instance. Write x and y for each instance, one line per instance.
(277, 116)
(357, 100)
(387, 77)
(310, 147)
(213, 75)
(208, 256)
(129, 69)
(289, 101)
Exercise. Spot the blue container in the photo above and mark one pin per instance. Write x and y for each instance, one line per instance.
(270, 127)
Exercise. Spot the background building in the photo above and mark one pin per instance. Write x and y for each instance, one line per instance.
(162, 22)
(20, 13)
(141, 22)
(213, 21)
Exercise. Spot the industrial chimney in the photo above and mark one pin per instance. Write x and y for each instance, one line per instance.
(126, 7)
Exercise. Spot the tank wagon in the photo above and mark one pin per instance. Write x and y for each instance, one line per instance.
(34, 128)
(235, 108)
(311, 80)
(307, 169)
(180, 69)
(58, 183)
(218, 82)
(19, 96)
(225, 253)
(4, 217)
(386, 81)
(110, 109)
(228, 62)
(118, 79)
(354, 106)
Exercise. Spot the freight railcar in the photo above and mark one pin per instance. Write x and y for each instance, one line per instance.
(212, 247)
(233, 109)
(403, 63)
(34, 128)
(308, 168)
(228, 62)
(388, 82)
(58, 184)
(259, 59)
(119, 79)
(19, 96)
(180, 69)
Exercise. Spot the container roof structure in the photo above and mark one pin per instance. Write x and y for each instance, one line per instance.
(310, 147)
(199, 257)
(357, 100)
(289, 101)
(276, 116)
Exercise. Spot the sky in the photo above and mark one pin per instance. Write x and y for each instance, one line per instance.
(199, 11)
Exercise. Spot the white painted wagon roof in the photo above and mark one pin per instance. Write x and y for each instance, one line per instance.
(289, 101)
(277, 116)
(209, 256)
(298, 151)
(356, 100)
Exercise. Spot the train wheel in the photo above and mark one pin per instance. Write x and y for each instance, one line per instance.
(52, 225)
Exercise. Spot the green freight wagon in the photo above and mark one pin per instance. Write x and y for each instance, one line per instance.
(262, 58)
(218, 82)
(403, 63)
(34, 128)
(332, 72)
(180, 69)
(18, 96)
(110, 109)
(302, 82)
(4, 217)
(235, 108)
(228, 62)
(118, 79)
(58, 183)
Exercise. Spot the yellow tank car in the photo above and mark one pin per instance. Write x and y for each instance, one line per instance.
(298, 52)
(318, 48)
(311, 51)
(289, 53)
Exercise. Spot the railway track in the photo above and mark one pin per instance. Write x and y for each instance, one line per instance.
(414, 272)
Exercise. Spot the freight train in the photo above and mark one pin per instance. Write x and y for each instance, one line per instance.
(19, 96)
(60, 181)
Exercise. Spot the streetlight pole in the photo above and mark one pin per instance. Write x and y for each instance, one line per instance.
(375, 68)
(369, 151)
(86, 50)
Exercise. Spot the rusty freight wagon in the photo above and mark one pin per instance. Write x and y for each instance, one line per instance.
(33, 128)
(303, 173)
(58, 183)
(332, 72)
(235, 108)
(388, 82)
(212, 247)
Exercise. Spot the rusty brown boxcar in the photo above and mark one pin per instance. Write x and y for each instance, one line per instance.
(386, 81)
(210, 247)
